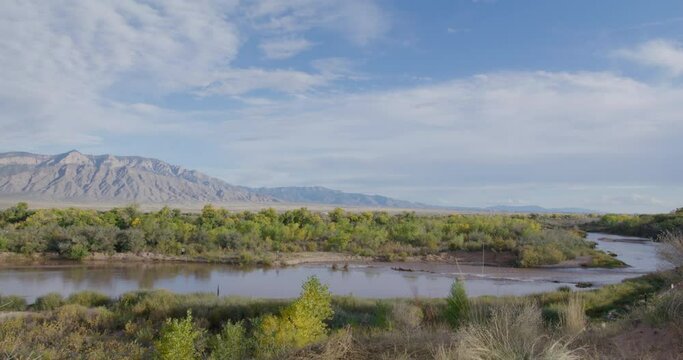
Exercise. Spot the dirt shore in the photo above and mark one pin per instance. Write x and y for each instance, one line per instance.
(454, 258)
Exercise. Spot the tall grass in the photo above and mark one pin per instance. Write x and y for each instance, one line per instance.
(573, 316)
(666, 308)
(673, 246)
(512, 332)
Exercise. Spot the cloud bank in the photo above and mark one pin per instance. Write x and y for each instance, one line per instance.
(79, 73)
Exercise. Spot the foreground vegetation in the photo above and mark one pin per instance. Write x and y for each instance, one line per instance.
(248, 237)
(640, 318)
(646, 225)
(556, 325)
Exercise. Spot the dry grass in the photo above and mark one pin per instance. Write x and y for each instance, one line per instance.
(673, 246)
(513, 332)
(405, 316)
(573, 317)
(337, 347)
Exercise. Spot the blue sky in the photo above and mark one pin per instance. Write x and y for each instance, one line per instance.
(469, 103)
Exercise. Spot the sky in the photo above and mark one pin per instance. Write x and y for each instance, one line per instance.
(464, 102)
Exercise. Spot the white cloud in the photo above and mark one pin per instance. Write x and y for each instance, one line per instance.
(499, 128)
(664, 54)
(70, 68)
(284, 48)
(360, 21)
(241, 81)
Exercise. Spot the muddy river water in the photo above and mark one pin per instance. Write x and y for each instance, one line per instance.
(376, 280)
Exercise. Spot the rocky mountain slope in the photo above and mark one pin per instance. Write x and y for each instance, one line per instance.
(322, 195)
(77, 177)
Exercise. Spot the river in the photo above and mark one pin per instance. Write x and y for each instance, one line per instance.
(376, 280)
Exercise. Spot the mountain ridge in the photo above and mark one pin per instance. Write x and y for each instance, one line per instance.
(76, 177)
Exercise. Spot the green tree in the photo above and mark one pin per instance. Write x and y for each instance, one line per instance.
(178, 339)
(231, 343)
(17, 213)
(457, 304)
(310, 311)
(299, 324)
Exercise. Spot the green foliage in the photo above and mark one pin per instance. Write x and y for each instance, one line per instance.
(457, 305)
(12, 303)
(16, 214)
(666, 308)
(71, 332)
(50, 301)
(252, 237)
(89, 299)
(299, 324)
(231, 343)
(177, 339)
(645, 225)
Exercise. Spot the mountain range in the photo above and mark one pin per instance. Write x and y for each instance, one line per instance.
(79, 178)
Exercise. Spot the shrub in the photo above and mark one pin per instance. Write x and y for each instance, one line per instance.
(12, 303)
(310, 311)
(673, 246)
(50, 301)
(231, 343)
(457, 304)
(89, 299)
(666, 308)
(381, 314)
(573, 316)
(406, 316)
(177, 339)
(513, 332)
(299, 324)
(76, 252)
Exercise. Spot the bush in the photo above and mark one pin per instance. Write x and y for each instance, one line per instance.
(573, 316)
(406, 316)
(457, 305)
(12, 303)
(513, 332)
(89, 299)
(177, 339)
(299, 324)
(231, 343)
(666, 308)
(50, 301)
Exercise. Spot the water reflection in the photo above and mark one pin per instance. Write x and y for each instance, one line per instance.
(378, 281)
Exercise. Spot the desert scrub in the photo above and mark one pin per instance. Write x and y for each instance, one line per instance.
(49, 301)
(66, 333)
(254, 237)
(457, 305)
(231, 344)
(512, 332)
(178, 340)
(602, 260)
(299, 324)
(666, 308)
(89, 299)
(12, 303)
(573, 316)
(406, 316)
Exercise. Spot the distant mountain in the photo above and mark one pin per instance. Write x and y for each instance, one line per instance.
(536, 209)
(322, 195)
(77, 177)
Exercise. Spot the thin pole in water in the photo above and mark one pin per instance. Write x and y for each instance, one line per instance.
(482, 258)
(218, 290)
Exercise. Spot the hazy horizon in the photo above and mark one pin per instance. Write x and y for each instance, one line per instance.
(466, 103)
